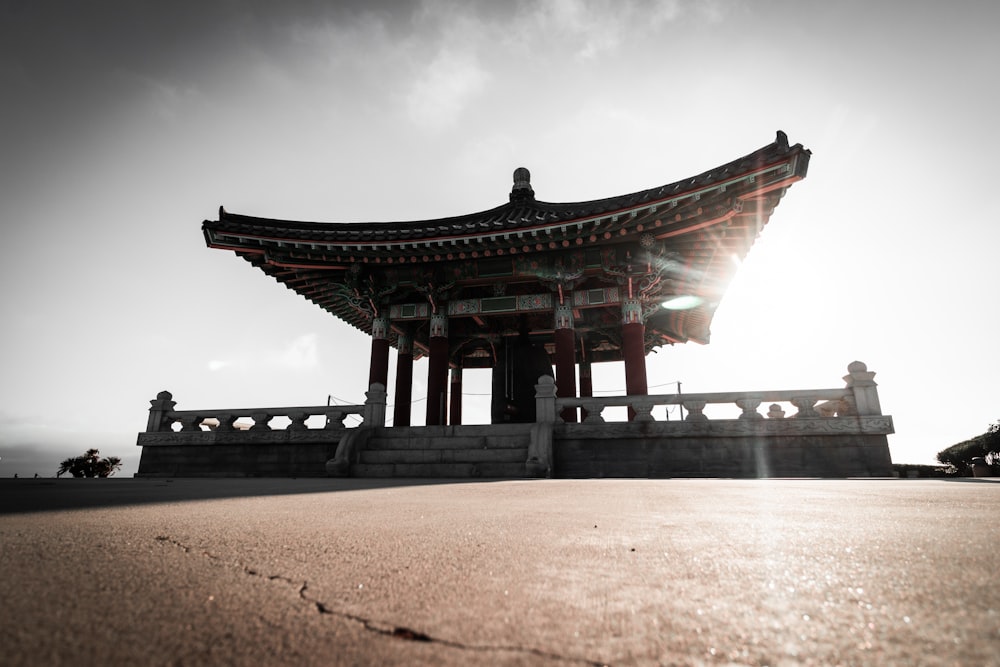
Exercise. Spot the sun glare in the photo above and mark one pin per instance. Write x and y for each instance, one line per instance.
(684, 302)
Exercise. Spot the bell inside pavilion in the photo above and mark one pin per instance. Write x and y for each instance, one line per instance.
(527, 288)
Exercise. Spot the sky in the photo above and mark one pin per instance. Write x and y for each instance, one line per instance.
(124, 125)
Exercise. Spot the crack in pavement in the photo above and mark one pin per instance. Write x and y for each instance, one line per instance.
(408, 634)
(386, 629)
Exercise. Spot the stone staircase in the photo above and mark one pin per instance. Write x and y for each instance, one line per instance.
(499, 450)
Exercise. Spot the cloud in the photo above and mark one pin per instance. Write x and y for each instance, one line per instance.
(30, 429)
(713, 11)
(299, 354)
(591, 28)
(446, 86)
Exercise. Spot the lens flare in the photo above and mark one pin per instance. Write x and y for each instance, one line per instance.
(685, 302)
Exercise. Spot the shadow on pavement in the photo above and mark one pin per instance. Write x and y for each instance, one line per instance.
(49, 494)
(973, 480)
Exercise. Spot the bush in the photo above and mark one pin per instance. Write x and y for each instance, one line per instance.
(905, 470)
(986, 446)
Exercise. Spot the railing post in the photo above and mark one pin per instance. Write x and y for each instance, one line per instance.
(805, 407)
(260, 421)
(595, 414)
(695, 408)
(545, 400)
(643, 410)
(749, 407)
(861, 382)
(335, 419)
(191, 422)
(298, 420)
(159, 409)
(375, 405)
(539, 463)
(226, 422)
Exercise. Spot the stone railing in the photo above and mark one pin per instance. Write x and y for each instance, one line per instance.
(858, 398)
(163, 417)
(279, 442)
(830, 433)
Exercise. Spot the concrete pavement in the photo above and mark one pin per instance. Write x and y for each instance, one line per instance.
(539, 572)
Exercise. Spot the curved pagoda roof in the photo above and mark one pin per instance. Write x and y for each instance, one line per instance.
(497, 268)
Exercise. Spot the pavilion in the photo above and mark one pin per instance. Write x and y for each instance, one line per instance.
(529, 284)
(521, 288)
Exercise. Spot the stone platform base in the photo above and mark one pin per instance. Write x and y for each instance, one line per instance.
(746, 457)
(208, 458)
(817, 447)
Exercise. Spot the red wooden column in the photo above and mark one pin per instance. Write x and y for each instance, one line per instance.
(456, 397)
(378, 369)
(437, 371)
(404, 381)
(586, 384)
(634, 349)
(565, 340)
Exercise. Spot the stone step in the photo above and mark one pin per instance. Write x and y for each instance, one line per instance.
(462, 430)
(405, 442)
(440, 470)
(503, 455)
(455, 452)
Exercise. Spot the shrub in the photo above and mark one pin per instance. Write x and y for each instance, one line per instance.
(986, 446)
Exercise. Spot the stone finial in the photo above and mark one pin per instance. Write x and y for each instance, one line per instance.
(858, 375)
(861, 382)
(545, 387)
(159, 411)
(775, 412)
(522, 186)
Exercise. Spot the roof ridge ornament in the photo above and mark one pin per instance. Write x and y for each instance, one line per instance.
(522, 186)
(782, 140)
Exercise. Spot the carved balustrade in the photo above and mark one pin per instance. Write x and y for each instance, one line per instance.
(163, 417)
(858, 398)
(695, 404)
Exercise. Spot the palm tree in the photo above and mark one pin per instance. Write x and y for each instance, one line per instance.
(90, 465)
